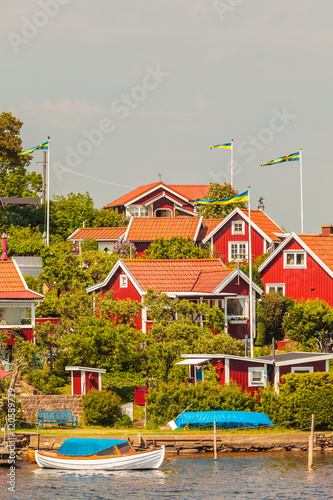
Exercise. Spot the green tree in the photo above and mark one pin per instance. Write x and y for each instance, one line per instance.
(120, 311)
(109, 218)
(175, 248)
(271, 311)
(69, 213)
(217, 191)
(306, 321)
(15, 180)
(24, 241)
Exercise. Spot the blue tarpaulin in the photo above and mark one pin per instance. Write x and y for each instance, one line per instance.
(228, 419)
(84, 447)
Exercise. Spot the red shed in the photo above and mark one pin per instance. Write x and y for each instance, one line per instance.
(252, 373)
(85, 379)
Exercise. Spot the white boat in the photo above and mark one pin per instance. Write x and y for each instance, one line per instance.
(99, 454)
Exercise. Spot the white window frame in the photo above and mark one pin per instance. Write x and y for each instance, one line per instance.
(141, 210)
(263, 381)
(123, 280)
(245, 298)
(238, 259)
(199, 367)
(276, 285)
(300, 369)
(163, 217)
(233, 226)
(293, 266)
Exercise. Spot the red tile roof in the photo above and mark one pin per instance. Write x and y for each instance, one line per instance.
(321, 245)
(98, 233)
(152, 228)
(182, 275)
(190, 192)
(12, 285)
(210, 224)
(264, 223)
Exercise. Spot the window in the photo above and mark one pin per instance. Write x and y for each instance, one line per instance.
(199, 375)
(237, 308)
(276, 287)
(237, 227)
(302, 369)
(123, 281)
(163, 212)
(138, 211)
(238, 251)
(257, 376)
(295, 259)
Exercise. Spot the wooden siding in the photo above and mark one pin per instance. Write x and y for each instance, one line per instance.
(76, 382)
(318, 366)
(310, 283)
(239, 373)
(91, 382)
(222, 238)
(162, 204)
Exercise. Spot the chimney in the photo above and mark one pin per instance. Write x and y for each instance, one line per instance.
(327, 229)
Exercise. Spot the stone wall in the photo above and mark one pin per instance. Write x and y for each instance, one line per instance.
(32, 404)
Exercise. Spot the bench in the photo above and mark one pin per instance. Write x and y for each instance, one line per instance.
(56, 417)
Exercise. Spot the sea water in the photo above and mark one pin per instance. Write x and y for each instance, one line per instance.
(238, 476)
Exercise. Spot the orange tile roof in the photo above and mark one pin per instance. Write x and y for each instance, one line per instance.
(179, 275)
(152, 228)
(210, 224)
(321, 245)
(264, 223)
(190, 192)
(12, 285)
(98, 233)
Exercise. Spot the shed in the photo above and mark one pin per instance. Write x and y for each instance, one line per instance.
(85, 379)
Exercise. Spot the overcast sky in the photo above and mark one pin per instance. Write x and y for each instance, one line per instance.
(130, 89)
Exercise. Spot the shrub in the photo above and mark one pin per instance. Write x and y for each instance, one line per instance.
(167, 401)
(7, 404)
(45, 381)
(123, 422)
(101, 408)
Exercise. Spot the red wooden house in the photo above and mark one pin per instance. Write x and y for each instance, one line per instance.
(160, 200)
(230, 238)
(301, 267)
(196, 280)
(15, 299)
(253, 373)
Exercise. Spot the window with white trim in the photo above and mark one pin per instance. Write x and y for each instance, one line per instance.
(238, 251)
(302, 369)
(123, 281)
(238, 227)
(294, 259)
(257, 376)
(138, 211)
(276, 288)
(237, 308)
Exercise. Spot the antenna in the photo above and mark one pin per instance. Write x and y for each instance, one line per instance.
(160, 176)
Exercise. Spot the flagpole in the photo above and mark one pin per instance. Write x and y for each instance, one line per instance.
(48, 196)
(250, 275)
(301, 183)
(232, 164)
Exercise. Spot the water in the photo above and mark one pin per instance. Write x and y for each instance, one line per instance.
(254, 476)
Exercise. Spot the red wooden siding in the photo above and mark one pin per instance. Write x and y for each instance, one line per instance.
(310, 283)
(238, 331)
(163, 203)
(91, 382)
(224, 235)
(141, 246)
(239, 373)
(76, 382)
(318, 366)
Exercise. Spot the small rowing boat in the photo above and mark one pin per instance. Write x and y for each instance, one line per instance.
(99, 454)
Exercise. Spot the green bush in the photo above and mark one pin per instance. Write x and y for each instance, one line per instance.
(101, 408)
(7, 405)
(300, 396)
(167, 401)
(122, 383)
(45, 381)
(123, 422)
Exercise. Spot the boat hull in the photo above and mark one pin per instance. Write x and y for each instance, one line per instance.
(151, 459)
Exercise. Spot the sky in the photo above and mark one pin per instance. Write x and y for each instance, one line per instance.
(128, 90)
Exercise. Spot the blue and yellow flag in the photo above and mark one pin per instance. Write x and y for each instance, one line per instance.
(225, 201)
(44, 146)
(282, 159)
(223, 146)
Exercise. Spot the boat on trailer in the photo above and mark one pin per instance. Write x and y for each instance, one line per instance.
(100, 454)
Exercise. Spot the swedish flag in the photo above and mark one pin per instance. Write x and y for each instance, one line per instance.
(225, 201)
(223, 146)
(44, 146)
(282, 159)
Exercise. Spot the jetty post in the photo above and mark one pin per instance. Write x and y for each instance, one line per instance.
(215, 446)
(311, 439)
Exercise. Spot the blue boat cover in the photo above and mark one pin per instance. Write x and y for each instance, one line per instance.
(228, 419)
(84, 447)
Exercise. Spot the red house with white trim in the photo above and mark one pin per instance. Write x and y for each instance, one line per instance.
(106, 237)
(160, 200)
(196, 280)
(251, 374)
(301, 267)
(230, 238)
(15, 299)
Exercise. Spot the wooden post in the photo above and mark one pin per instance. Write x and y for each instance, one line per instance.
(215, 446)
(311, 439)
(145, 414)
